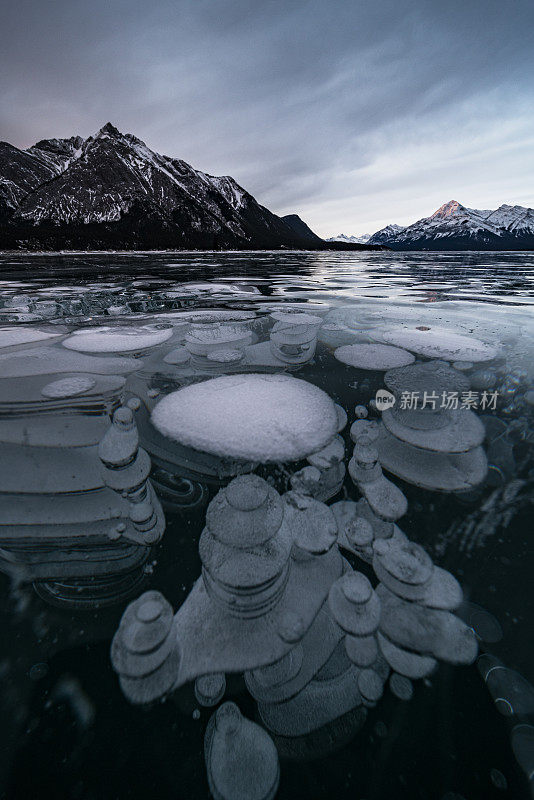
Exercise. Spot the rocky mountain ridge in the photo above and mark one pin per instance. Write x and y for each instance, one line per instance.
(456, 227)
(111, 191)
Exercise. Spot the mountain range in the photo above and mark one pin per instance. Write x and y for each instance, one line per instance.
(455, 227)
(341, 237)
(110, 191)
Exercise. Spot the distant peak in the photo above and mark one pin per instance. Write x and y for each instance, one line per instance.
(108, 130)
(448, 209)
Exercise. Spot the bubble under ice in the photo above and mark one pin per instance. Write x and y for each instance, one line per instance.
(436, 342)
(373, 356)
(241, 759)
(277, 601)
(361, 651)
(251, 417)
(116, 340)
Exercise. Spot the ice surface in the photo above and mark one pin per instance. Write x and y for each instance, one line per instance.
(252, 417)
(116, 340)
(20, 335)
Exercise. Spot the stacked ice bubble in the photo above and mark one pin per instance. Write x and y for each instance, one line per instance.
(423, 439)
(77, 512)
(277, 602)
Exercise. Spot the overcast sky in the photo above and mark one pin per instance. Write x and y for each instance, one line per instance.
(352, 114)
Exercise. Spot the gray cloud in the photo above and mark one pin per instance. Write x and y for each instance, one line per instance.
(353, 114)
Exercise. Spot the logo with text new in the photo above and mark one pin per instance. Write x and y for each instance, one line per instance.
(384, 400)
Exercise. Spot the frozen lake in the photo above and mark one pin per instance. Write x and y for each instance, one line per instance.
(362, 590)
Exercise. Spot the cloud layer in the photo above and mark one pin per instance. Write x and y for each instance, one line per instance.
(352, 114)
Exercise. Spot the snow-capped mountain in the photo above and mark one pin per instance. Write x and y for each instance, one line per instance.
(386, 234)
(363, 239)
(455, 227)
(112, 191)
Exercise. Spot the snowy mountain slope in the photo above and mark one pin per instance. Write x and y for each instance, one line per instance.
(363, 239)
(456, 227)
(386, 234)
(20, 173)
(112, 191)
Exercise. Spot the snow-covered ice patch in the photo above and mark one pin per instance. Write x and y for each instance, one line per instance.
(437, 342)
(251, 417)
(51, 360)
(116, 340)
(373, 356)
(68, 387)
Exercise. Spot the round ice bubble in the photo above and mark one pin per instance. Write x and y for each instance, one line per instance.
(116, 340)
(68, 387)
(251, 417)
(436, 342)
(373, 356)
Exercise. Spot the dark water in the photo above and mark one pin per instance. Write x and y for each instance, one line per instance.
(69, 732)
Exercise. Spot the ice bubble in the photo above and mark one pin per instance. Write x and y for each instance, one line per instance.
(401, 686)
(69, 690)
(206, 315)
(462, 430)
(50, 361)
(296, 317)
(498, 779)
(180, 355)
(293, 344)
(434, 376)
(341, 417)
(20, 335)
(241, 758)
(364, 427)
(370, 685)
(115, 340)
(354, 605)
(385, 498)
(463, 366)
(252, 417)
(414, 627)
(332, 454)
(522, 739)
(380, 729)
(411, 665)
(511, 692)
(484, 624)
(226, 356)
(437, 342)
(38, 671)
(405, 568)
(206, 340)
(373, 356)
(483, 379)
(68, 387)
(362, 650)
(453, 472)
(209, 689)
